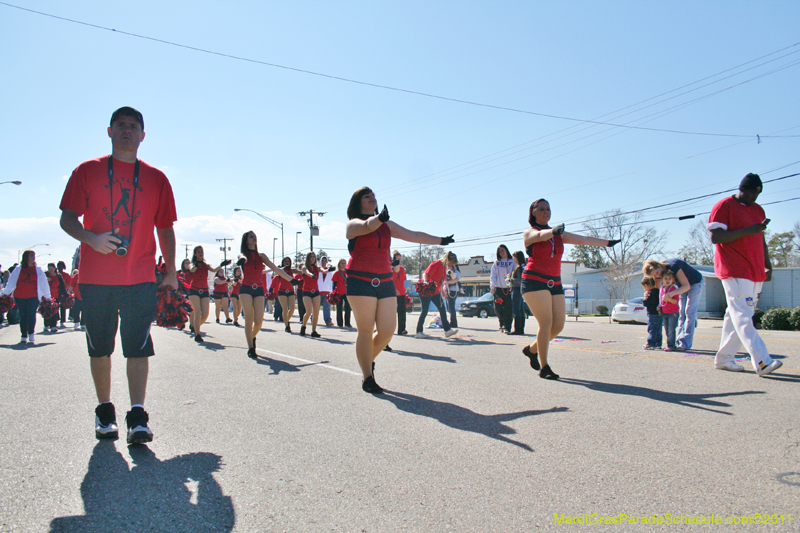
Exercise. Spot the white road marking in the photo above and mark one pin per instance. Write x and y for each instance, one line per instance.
(316, 363)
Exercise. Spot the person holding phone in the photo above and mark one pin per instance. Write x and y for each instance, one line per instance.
(741, 262)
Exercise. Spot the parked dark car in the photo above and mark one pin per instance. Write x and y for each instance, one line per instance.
(482, 307)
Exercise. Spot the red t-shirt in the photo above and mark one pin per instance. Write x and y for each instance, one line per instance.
(88, 194)
(253, 270)
(399, 278)
(53, 282)
(339, 283)
(435, 272)
(76, 286)
(67, 280)
(544, 257)
(742, 258)
(200, 277)
(26, 284)
(310, 284)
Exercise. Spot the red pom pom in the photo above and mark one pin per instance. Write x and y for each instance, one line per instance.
(6, 303)
(426, 288)
(270, 296)
(172, 309)
(48, 308)
(68, 302)
(334, 298)
(499, 301)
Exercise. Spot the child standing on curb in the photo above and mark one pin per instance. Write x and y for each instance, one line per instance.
(669, 308)
(651, 302)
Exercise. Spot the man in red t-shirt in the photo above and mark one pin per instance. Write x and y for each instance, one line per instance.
(123, 201)
(741, 261)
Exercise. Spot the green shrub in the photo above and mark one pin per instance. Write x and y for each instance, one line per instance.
(777, 318)
(602, 310)
(794, 318)
(757, 316)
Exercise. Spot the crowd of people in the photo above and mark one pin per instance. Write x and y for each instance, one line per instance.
(116, 205)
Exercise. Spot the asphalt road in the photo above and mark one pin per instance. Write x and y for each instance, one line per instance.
(466, 438)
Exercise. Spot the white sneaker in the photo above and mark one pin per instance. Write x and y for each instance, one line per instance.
(24, 340)
(764, 369)
(77, 325)
(30, 338)
(450, 332)
(727, 363)
(420, 335)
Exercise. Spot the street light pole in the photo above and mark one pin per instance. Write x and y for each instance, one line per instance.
(19, 252)
(14, 182)
(276, 224)
(296, 251)
(273, 249)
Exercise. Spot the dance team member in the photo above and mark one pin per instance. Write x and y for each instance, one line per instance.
(252, 293)
(340, 288)
(301, 304)
(737, 225)
(399, 280)
(325, 284)
(185, 277)
(29, 285)
(57, 288)
(370, 289)
(198, 291)
(285, 291)
(517, 304)
(124, 203)
(221, 295)
(541, 280)
(501, 270)
(311, 295)
(235, 286)
(64, 292)
(436, 273)
(277, 313)
(77, 309)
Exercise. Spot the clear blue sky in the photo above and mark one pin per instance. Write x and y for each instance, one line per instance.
(233, 134)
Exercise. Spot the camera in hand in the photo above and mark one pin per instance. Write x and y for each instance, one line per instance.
(122, 246)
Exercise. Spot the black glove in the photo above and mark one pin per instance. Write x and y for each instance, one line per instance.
(558, 230)
(295, 281)
(395, 263)
(241, 262)
(313, 276)
(331, 268)
(270, 290)
(447, 240)
(195, 262)
(384, 216)
(613, 242)
(225, 263)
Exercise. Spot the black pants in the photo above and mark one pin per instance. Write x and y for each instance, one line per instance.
(62, 308)
(451, 306)
(343, 307)
(502, 306)
(27, 314)
(301, 307)
(437, 301)
(76, 314)
(277, 310)
(401, 313)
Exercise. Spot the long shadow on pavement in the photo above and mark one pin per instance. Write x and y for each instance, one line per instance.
(277, 366)
(427, 356)
(696, 401)
(154, 495)
(19, 347)
(463, 419)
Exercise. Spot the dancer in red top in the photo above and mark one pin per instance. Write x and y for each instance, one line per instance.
(541, 280)
(251, 294)
(185, 277)
(369, 277)
(198, 292)
(285, 292)
(399, 278)
(340, 288)
(235, 285)
(221, 296)
(311, 296)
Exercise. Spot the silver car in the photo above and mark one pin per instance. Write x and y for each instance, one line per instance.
(632, 310)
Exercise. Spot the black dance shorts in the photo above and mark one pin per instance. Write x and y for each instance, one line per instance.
(286, 293)
(361, 287)
(220, 295)
(249, 290)
(544, 283)
(310, 294)
(235, 296)
(200, 293)
(135, 305)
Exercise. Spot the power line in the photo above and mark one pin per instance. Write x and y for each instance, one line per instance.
(376, 85)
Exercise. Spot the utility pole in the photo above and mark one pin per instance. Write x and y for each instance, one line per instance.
(313, 230)
(225, 249)
(187, 249)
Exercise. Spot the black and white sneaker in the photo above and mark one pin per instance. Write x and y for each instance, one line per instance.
(105, 421)
(138, 432)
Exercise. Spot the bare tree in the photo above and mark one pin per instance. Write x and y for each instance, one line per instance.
(418, 260)
(698, 250)
(622, 262)
(782, 249)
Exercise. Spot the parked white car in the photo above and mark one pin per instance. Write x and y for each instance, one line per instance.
(632, 310)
